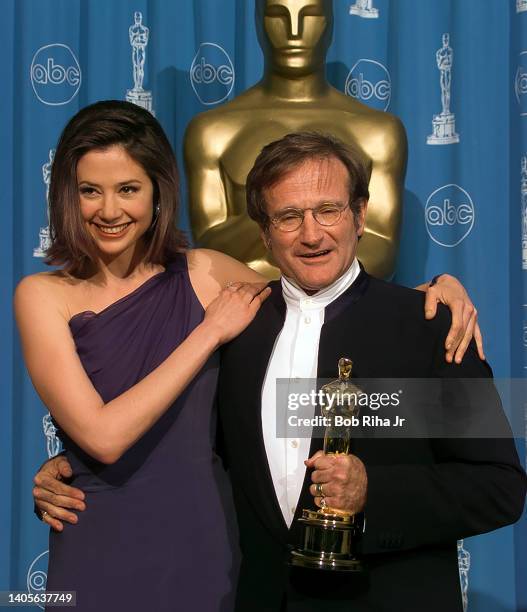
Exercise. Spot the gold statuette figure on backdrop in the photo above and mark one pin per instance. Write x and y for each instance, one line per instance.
(293, 95)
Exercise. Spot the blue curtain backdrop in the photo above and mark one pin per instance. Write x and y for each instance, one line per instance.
(465, 208)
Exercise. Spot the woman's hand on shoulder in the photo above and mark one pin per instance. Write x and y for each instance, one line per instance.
(448, 290)
(234, 308)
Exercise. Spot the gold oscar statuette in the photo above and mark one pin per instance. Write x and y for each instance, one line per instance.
(330, 535)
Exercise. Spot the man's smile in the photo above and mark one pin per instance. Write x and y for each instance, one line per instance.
(315, 255)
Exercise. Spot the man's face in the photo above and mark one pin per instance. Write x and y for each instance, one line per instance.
(314, 255)
(295, 31)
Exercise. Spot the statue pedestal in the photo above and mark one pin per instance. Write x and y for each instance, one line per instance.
(44, 242)
(366, 13)
(141, 98)
(444, 130)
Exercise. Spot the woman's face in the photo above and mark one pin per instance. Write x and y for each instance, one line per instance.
(116, 200)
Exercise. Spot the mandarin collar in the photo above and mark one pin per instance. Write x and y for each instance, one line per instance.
(295, 297)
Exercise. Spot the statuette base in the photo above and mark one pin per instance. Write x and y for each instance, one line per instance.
(444, 130)
(366, 13)
(140, 97)
(44, 242)
(329, 542)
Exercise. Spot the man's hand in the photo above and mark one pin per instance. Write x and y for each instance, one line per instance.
(449, 291)
(343, 481)
(52, 496)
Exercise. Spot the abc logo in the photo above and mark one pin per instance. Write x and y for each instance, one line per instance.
(449, 215)
(37, 575)
(55, 74)
(520, 83)
(211, 74)
(370, 82)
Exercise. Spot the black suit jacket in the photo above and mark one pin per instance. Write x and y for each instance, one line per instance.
(423, 494)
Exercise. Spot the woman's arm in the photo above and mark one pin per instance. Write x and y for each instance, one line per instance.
(211, 271)
(106, 431)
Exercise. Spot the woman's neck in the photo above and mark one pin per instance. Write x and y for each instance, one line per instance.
(125, 267)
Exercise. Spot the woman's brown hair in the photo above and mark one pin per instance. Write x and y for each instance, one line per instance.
(97, 127)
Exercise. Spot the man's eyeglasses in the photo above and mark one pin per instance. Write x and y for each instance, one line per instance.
(291, 219)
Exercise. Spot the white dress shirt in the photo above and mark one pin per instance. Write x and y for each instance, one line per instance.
(295, 355)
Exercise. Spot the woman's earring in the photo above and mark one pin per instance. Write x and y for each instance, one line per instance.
(156, 214)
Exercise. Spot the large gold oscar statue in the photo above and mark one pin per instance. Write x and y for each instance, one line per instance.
(222, 144)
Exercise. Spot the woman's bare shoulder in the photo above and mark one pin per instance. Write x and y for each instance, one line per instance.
(48, 289)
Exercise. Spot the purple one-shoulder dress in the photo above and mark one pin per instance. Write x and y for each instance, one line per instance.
(159, 530)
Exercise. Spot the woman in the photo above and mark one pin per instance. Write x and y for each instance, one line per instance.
(182, 541)
(130, 369)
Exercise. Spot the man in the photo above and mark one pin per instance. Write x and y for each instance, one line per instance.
(308, 193)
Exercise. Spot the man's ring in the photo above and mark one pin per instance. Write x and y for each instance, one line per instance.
(43, 513)
(318, 490)
(323, 503)
(231, 286)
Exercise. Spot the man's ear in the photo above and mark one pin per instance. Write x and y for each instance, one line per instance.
(361, 217)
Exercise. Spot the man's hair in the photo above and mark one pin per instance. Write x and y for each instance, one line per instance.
(282, 156)
(96, 128)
